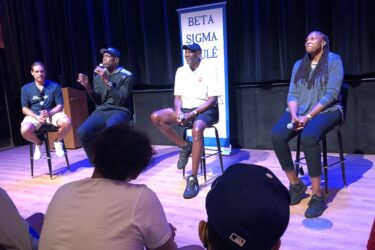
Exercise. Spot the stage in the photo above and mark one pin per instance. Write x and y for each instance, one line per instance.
(351, 209)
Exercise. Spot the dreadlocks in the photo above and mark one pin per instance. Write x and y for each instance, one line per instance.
(321, 70)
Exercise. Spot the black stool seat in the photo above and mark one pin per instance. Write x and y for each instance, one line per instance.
(42, 134)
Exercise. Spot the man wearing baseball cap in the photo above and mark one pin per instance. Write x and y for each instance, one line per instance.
(112, 94)
(196, 92)
(247, 208)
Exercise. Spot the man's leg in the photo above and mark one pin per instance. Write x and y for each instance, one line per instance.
(88, 129)
(115, 117)
(28, 127)
(64, 125)
(197, 133)
(163, 120)
(28, 133)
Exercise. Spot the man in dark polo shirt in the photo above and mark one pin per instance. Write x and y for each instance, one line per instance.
(42, 102)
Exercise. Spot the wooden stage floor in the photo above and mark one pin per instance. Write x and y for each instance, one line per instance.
(351, 209)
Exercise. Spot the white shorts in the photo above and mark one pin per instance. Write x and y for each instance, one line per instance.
(55, 118)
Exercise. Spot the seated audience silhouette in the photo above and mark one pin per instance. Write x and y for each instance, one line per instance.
(15, 232)
(106, 211)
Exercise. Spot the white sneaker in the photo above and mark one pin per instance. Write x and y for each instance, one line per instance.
(39, 151)
(59, 151)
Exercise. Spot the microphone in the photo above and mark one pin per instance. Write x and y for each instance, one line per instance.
(292, 125)
(101, 65)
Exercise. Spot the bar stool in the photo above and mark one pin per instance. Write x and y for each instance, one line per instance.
(42, 133)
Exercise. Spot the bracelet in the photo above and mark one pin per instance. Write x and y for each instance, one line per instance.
(195, 112)
(309, 117)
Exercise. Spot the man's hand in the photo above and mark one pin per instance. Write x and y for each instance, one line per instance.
(102, 72)
(84, 81)
(41, 119)
(45, 114)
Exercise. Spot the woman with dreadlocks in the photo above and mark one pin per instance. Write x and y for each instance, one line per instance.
(313, 110)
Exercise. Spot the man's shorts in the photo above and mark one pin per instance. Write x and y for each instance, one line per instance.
(210, 116)
(55, 118)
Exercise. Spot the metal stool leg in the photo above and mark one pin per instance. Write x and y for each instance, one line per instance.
(184, 135)
(31, 159)
(219, 149)
(325, 164)
(203, 161)
(298, 167)
(66, 155)
(342, 159)
(48, 153)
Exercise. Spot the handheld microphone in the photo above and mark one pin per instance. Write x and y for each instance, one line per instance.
(292, 125)
(101, 65)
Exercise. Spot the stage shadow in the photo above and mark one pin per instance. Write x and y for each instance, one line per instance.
(161, 155)
(74, 167)
(213, 169)
(355, 167)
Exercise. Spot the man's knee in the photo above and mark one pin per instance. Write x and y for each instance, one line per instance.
(81, 132)
(197, 133)
(159, 118)
(156, 117)
(27, 129)
(64, 123)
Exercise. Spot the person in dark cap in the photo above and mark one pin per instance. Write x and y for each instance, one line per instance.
(247, 208)
(112, 95)
(196, 92)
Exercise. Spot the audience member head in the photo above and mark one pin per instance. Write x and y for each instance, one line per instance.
(121, 152)
(247, 208)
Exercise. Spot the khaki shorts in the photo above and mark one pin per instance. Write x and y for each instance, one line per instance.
(55, 118)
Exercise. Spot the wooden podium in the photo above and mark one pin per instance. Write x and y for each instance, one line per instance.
(75, 106)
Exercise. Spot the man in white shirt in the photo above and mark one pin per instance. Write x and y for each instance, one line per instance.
(196, 93)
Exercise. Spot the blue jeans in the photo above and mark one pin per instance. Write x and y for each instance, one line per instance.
(311, 135)
(98, 120)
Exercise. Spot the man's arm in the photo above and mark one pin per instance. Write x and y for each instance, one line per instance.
(84, 81)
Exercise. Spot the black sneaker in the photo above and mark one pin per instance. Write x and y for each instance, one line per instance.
(296, 191)
(192, 187)
(184, 155)
(316, 206)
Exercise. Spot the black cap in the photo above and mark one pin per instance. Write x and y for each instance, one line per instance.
(192, 47)
(248, 206)
(112, 51)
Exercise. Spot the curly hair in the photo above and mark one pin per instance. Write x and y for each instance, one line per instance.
(321, 70)
(121, 152)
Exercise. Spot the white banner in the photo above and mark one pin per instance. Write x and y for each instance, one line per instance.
(206, 25)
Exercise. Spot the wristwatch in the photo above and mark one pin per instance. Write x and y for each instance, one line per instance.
(110, 84)
(309, 116)
(195, 112)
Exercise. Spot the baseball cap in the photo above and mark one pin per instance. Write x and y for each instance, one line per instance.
(248, 206)
(193, 47)
(114, 52)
